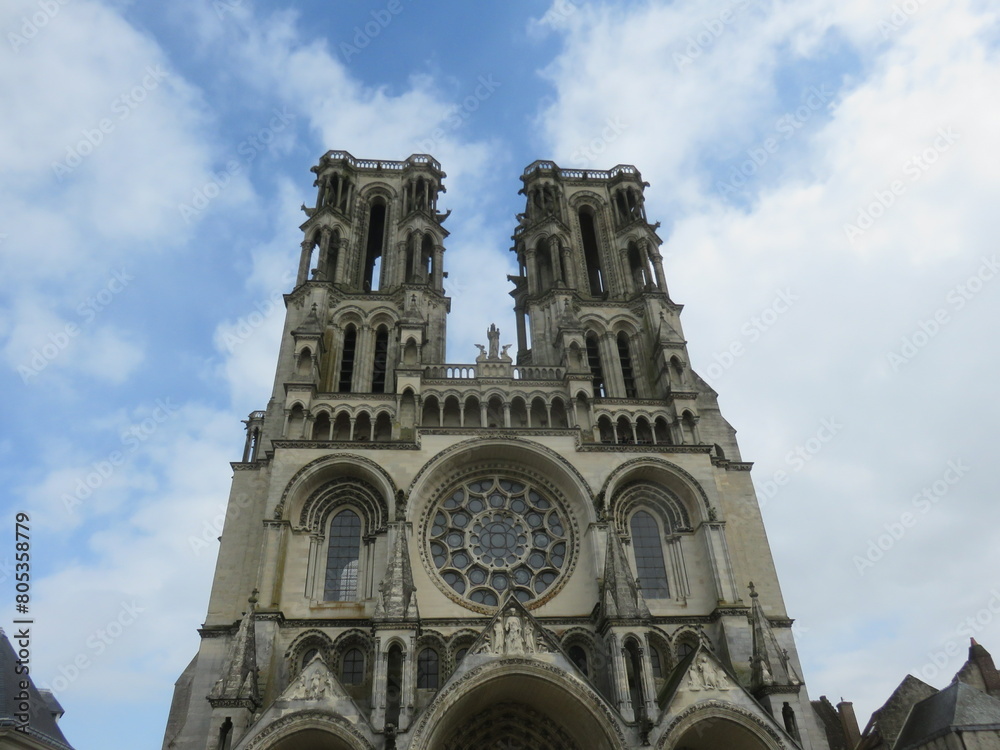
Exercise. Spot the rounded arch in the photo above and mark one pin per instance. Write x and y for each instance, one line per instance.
(686, 640)
(653, 497)
(714, 723)
(314, 476)
(507, 682)
(660, 472)
(307, 730)
(349, 314)
(459, 644)
(514, 451)
(303, 644)
(373, 190)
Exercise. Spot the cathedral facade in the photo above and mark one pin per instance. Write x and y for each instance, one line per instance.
(558, 547)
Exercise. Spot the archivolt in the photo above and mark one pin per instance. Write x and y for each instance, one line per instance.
(342, 491)
(656, 498)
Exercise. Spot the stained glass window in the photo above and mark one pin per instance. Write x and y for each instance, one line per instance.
(649, 556)
(342, 558)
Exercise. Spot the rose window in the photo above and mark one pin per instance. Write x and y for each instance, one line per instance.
(495, 535)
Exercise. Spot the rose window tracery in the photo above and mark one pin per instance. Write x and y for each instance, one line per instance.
(497, 534)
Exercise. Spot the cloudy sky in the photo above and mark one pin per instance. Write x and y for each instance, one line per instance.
(826, 175)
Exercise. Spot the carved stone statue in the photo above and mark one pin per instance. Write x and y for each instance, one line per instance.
(493, 334)
(515, 644)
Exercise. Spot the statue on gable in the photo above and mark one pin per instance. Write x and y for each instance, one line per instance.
(493, 334)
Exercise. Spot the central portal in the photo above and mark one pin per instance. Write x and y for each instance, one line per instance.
(510, 726)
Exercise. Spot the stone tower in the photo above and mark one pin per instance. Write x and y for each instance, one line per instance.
(549, 553)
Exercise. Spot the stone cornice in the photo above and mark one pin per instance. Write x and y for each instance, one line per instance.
(397, 445)
(633, 448)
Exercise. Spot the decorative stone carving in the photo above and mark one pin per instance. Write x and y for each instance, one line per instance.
(316, 685)
(705, 674)
(514, 634)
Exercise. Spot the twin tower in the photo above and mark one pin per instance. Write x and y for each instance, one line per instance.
(550, 548)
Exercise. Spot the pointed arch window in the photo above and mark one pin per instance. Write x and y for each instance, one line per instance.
(347, 359)
(394, 684)
(374, 245)
(649, 556)
(625, 357)
(342, 557)
(381, 356)
(596, 371)
(591, 253)
(579, 657)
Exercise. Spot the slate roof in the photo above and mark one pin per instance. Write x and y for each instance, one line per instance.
(959, 707)
(42, 723)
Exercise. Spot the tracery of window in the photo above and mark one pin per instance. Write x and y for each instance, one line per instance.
(649, 556)
(493, 535)
(342, 558)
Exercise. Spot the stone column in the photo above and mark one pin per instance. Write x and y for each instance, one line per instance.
(304, 259)
(532, 265)
(567, 265)
(648, 686)
(438, 268)
(678, 569)
(620, 679)
(379, 686)
(611, 366)
(661, 279)
(554, 255)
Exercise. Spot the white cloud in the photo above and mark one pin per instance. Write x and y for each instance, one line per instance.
(728, 255)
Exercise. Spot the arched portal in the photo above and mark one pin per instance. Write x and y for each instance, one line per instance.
(523, 705)
(715, 733)
(511, 725)
(717, 724)
(312, 739)
(305, 730)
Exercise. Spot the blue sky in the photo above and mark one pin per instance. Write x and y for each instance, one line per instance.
(840, 155)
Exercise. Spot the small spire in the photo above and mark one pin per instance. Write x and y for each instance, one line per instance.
(395, 599)
(621, 594)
